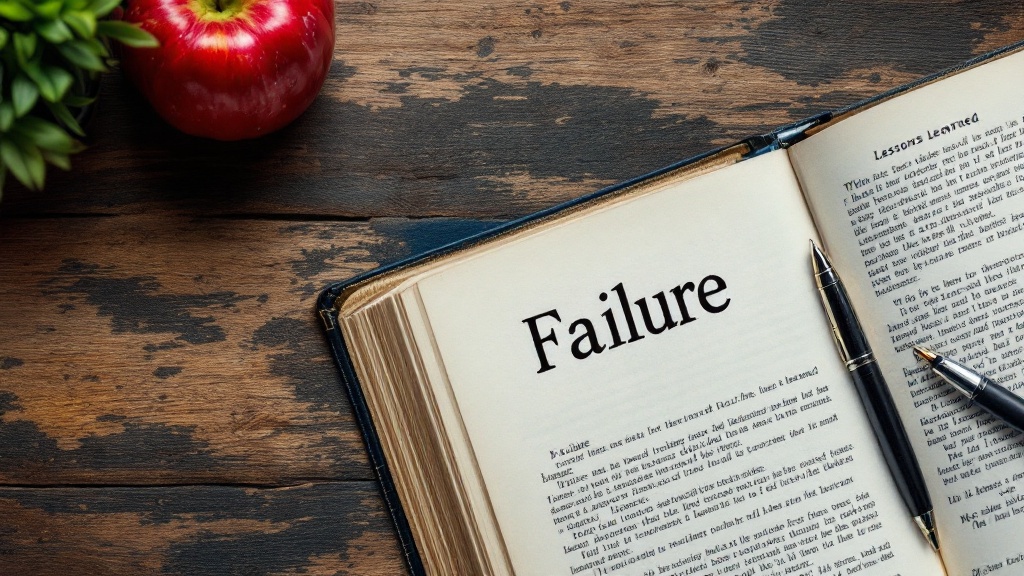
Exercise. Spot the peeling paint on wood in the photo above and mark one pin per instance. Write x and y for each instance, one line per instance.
(317, 529)
(167, 404)
(499, 109)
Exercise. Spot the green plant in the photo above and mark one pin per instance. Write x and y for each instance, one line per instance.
(51, 51)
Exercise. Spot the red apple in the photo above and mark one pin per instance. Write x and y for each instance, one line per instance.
(231, 69)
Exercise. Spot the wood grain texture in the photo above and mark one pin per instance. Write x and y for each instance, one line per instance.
(498, 109)
(167, 404)
(145, 349)
(326, 529)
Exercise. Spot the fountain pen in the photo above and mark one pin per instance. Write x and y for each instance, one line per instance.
(992, 397)
(874, 395)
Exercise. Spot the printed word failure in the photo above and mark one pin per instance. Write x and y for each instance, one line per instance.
(595, 336)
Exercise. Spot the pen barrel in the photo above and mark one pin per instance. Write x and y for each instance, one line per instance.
(846, 330)
(1002, 404)
(892, 437)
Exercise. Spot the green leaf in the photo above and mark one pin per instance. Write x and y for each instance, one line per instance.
(127, 34)
(34, 71)
(55, 31)
(15, 11)
(61, 80)
(59, 160)
(75, 101)
(46, 135)
(81, 54)
(24, 94)
(33, 161)
(97, 47)
(6, 116)
(24, 47)
(4, 36)
(103, 7)
(15, 159)
(83, 23)
(49, 10)
(63, 115)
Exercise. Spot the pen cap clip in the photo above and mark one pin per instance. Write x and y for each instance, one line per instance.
(851, 342)
(846, 331)
(838, 341)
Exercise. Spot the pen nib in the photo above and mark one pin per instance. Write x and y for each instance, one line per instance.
(819, 260)
(925, 354)
(927, 525)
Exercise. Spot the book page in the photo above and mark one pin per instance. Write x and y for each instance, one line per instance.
(921, 202)
(652, 389)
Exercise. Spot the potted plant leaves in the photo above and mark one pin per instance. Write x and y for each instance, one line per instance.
(51, 55)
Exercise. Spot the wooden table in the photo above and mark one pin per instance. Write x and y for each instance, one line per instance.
(167, 404)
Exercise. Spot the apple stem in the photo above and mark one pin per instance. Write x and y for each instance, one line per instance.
(218, 4)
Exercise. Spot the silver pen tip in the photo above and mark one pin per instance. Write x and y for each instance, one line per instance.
(925, 354)
(926, 523)
(819, 260)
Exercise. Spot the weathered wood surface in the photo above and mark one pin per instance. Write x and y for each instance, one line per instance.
(328, 528)
(157, 349)
(167, 404)
(498, 109)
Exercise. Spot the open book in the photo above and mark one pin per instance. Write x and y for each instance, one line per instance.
(644, 382)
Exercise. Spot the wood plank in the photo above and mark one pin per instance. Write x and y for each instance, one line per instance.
(498, 109)
(142, 349)
(314, 529)
(167, 345)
